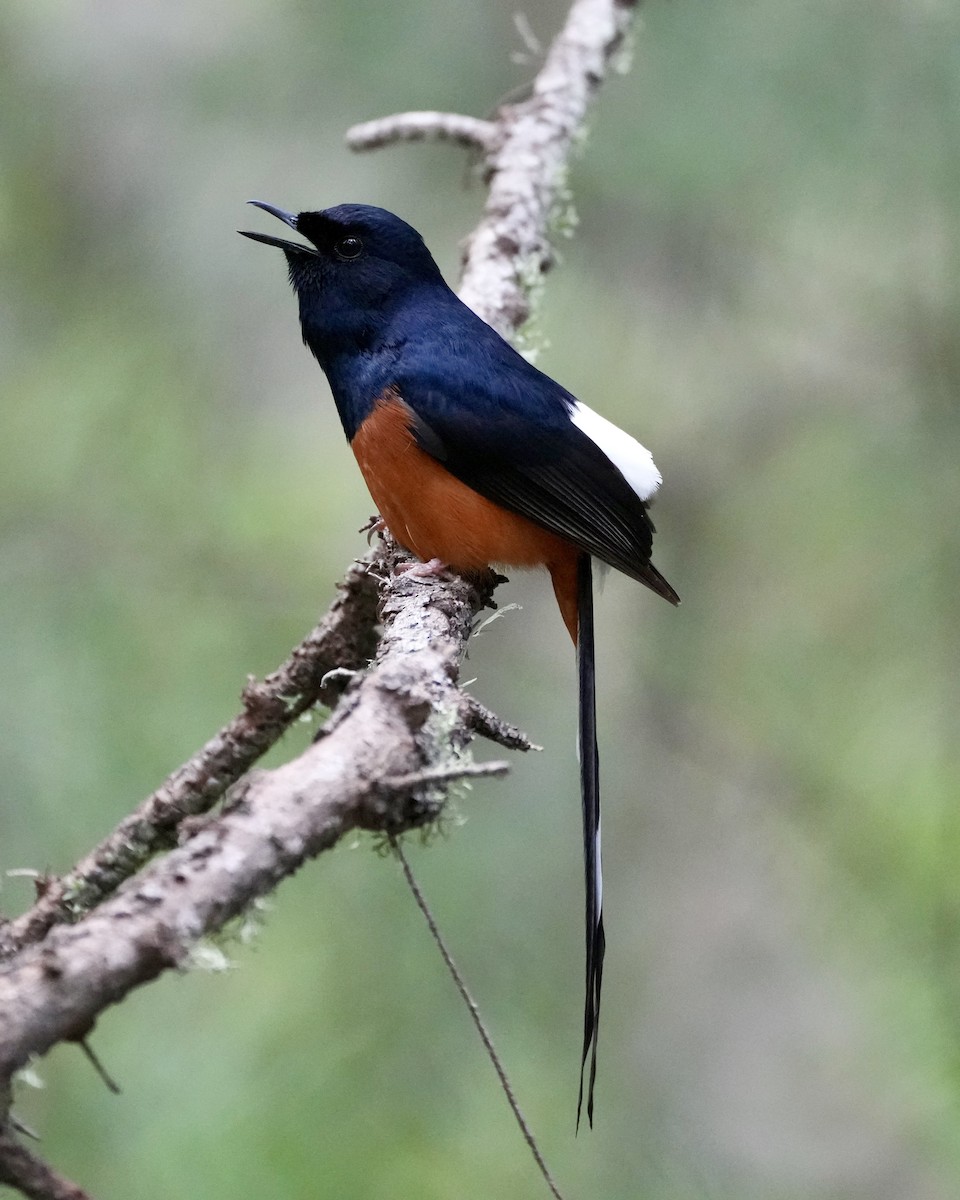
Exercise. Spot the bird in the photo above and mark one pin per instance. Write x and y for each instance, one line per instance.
(474, 458)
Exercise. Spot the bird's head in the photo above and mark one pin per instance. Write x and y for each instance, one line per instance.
(362, 263)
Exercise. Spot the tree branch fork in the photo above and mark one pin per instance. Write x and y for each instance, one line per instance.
(382, 761)
(385, 659)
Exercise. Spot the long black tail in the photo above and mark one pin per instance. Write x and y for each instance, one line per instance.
(590, 797)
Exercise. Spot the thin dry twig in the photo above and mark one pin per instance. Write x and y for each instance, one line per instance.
(471, 132)
(487, 724)
(452, 773)
(474, 1011)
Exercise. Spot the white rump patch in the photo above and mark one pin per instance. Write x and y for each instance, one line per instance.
(635, 462)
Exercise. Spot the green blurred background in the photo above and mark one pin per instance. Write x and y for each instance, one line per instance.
(763, 288)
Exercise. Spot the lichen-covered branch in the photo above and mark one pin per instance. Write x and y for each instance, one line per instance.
(423, 127)
(345, 638)
(31, 1176)
(381, 762)
(525, 158)
(401, 729)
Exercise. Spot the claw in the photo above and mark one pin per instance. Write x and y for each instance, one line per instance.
(374, 525)
(434, 569)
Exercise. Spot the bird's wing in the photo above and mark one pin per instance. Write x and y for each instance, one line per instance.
(514, 441)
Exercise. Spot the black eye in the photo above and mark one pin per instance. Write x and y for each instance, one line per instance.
(348, 247)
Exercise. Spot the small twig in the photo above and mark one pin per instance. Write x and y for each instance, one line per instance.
(521, 22)
(108, 1081)
(478, 718)
(481, 1028)
(30, 1175)
(19, 1126)
(448, 773)
(421, 127)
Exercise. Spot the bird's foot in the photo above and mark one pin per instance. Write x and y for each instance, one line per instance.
(434, 569)
(374, 525)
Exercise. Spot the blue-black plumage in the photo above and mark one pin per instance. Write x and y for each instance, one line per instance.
(473, 455)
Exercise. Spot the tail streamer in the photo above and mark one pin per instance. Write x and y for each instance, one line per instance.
(590, 798)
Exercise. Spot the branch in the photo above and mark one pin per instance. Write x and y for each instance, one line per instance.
(344, 638)
(30, 1175)
(381, 763)
(526, 156)
(401, 730)
(423, 127)
(481, 721)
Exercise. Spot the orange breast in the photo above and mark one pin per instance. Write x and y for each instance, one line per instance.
(434, 515)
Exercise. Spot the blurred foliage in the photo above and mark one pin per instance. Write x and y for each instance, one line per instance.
(763, 286)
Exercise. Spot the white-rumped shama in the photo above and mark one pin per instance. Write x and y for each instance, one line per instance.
(473, 457)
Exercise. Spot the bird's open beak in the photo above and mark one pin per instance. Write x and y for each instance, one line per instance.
(287, 218)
